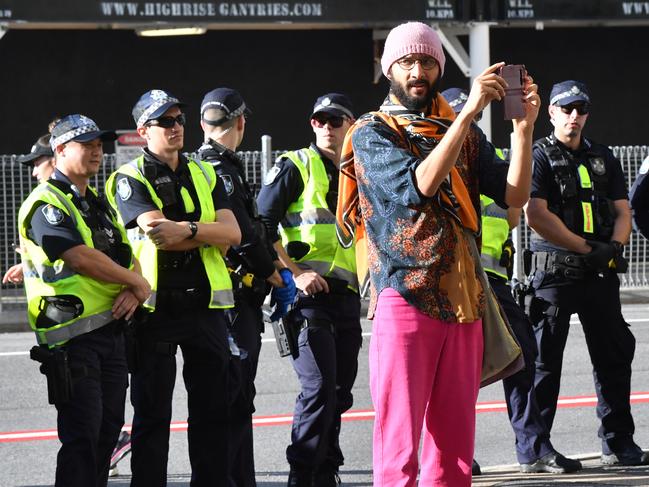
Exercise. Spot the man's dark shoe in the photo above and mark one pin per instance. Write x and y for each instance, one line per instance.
(475, 468)
(300, 477)
(631, 454)
(552, 463)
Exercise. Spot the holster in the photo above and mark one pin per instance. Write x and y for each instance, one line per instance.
(56, 368)
(287, 330)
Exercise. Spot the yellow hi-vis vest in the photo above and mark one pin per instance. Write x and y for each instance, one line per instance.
(495, 230)
(309, 220)
(44, 278)
(204, 179)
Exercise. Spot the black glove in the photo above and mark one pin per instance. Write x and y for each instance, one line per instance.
(600, 255)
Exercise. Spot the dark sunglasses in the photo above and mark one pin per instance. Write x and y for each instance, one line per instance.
(581, 108)
(322, 120)
(168, 122)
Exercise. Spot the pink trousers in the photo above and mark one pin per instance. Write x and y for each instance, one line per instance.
(424, 374)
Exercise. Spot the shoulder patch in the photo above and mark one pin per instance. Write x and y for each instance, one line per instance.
(271, 175)
(52, 214)
(227, 182)
(124, 189)
(644, 168)
(598, 165)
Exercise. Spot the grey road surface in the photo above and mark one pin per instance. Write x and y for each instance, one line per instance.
(25, 414)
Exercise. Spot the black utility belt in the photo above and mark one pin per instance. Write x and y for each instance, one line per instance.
(337, 286)
(562, 264)
(242, 280)
(182, 294)
(172, 260)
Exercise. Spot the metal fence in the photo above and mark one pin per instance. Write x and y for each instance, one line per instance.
(16, 183)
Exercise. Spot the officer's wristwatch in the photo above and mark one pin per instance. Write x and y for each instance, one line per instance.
(192, 228)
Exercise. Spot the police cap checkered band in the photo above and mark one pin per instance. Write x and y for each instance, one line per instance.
(152, 104)
(567, 92)
(229, 101)
(221, 106)
(70, 127)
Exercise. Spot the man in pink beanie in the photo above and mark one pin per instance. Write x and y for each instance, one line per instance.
(416, 170)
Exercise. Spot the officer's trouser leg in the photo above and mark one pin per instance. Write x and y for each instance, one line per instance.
(246, 330)
(551, 336)
(90, 422)
(532, 435)
(316, 404)
(611, 346)
(206, 356)
(348, 343)
(152, 388)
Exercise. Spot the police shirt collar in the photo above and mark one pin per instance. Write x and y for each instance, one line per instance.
(182, 160)
(324, 158)
(584, 144)
(58, 176)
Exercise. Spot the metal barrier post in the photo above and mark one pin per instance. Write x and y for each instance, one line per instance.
(266, 155)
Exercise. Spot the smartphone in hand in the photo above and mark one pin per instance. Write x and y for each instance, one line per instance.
(514, 75)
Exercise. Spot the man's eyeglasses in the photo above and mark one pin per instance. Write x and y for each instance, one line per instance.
(408, 63)
(168, 122)
(333, 120)
(582, 109)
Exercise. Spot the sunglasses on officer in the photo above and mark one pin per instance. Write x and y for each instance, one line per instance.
(168, 122)
(322, 119)
(582, 108)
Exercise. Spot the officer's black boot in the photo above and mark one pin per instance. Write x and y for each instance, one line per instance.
(300, 477)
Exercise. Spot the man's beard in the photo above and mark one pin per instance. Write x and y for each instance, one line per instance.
(418, 103)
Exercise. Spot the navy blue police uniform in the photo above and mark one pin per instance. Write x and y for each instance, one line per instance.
(255, 255)
(181, 319)
(580, 187)
(89, 423)
(639, 198)
(329, 338)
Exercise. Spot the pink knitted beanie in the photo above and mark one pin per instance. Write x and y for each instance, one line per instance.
(412, 38)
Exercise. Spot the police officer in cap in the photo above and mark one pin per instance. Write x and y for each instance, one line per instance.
(41, 160)
(300, 193)
(80, 281)
(253, 267)
(179, 219)
(580, 217)
(534, 450)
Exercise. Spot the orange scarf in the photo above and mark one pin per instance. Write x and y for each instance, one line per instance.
(419, 135)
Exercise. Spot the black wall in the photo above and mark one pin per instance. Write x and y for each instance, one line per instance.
(101, 73)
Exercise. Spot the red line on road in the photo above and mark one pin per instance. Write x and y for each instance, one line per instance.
(355, 415)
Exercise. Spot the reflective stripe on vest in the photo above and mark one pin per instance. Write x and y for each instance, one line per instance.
(586, 206)
(45, 279)
(309, 220)
(204, 179)
(79, 327)
(495, 230)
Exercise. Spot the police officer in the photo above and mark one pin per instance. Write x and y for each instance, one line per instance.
(41, 160)
(300, 193)
(580, 217)
(640, 199)
(253, 267)
(534, 450)
(179, 220)
(80, 284)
